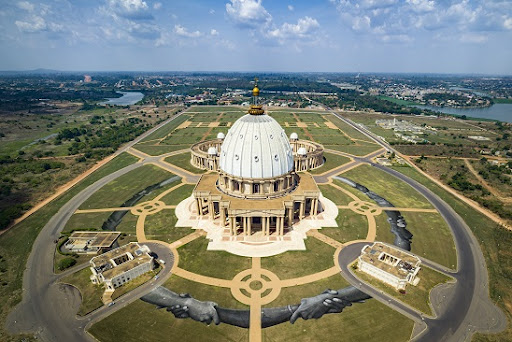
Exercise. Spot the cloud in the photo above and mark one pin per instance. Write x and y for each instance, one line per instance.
(304, 27)
(183, 32)
(214, 32)
(157, 5)
(34, 24)
(248, 13)
(25, 5)
(473, 38)
(290, 8)
(387, 19)
(129, 9)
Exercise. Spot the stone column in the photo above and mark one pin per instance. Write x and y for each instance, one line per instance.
(222, 216)
(301, 211)
(249, 228)
(232, 225)
(290, 216)
(198, 206)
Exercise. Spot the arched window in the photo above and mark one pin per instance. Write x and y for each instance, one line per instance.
(255, 188)
(276, 186)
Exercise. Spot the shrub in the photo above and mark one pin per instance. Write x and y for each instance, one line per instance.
(66, 263)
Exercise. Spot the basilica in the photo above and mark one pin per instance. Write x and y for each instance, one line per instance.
(258, 185)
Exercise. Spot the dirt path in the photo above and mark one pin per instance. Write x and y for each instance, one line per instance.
(485, 184)
(464, 199)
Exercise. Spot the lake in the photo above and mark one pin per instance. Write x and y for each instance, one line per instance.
(128, 98)
(498, 111)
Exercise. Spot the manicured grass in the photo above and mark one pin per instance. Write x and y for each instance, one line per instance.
(317, 257)
(123, 188)
(166, 129)
(335, 195)
(347, 129)
(16, 243)
(384, 229)
(356, 150)
(183, 160)
(355, 192)
(398, 193)
(370, 321)
(143, 319)
(219, 264)
(161, 226)
(156, 150)
(331, 161)
(432, 238)
(496, 245)
(91, 294)
(86, 221)
(178, 195)
(351, 226)
(416, 296)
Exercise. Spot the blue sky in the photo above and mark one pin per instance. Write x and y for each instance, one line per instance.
(447, 36)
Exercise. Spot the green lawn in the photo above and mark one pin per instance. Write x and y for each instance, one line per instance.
(166, 129)
(86, 221)
(356, 150)
(317, 257)
(161, 226)
(183, 160)
(91, 294)
(432, 238)
(16, 243)
(351, 226)
(156, 150)
(392, 189)
(371, 321)
(416, 296)
(219, 264)
(129, 323)
(331, 161)
(178, 195)
(123, 188)
(335, 195)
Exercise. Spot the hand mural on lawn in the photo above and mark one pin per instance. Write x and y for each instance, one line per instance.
(185, 306)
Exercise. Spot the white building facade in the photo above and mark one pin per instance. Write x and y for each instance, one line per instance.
(389, 264)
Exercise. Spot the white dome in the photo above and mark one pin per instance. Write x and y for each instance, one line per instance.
(256, 147)
(302, 151)
(212, 151)
(294, 136)
(220, 135)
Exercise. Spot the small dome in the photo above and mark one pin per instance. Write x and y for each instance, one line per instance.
(212, 151)
(256, 91)
(220, 135)
(302, 151)
(294, 136)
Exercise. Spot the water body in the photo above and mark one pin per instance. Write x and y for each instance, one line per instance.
(397, 222)
(498, 111)
(128, 98)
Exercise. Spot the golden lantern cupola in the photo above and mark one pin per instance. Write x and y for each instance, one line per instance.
(256, 109)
